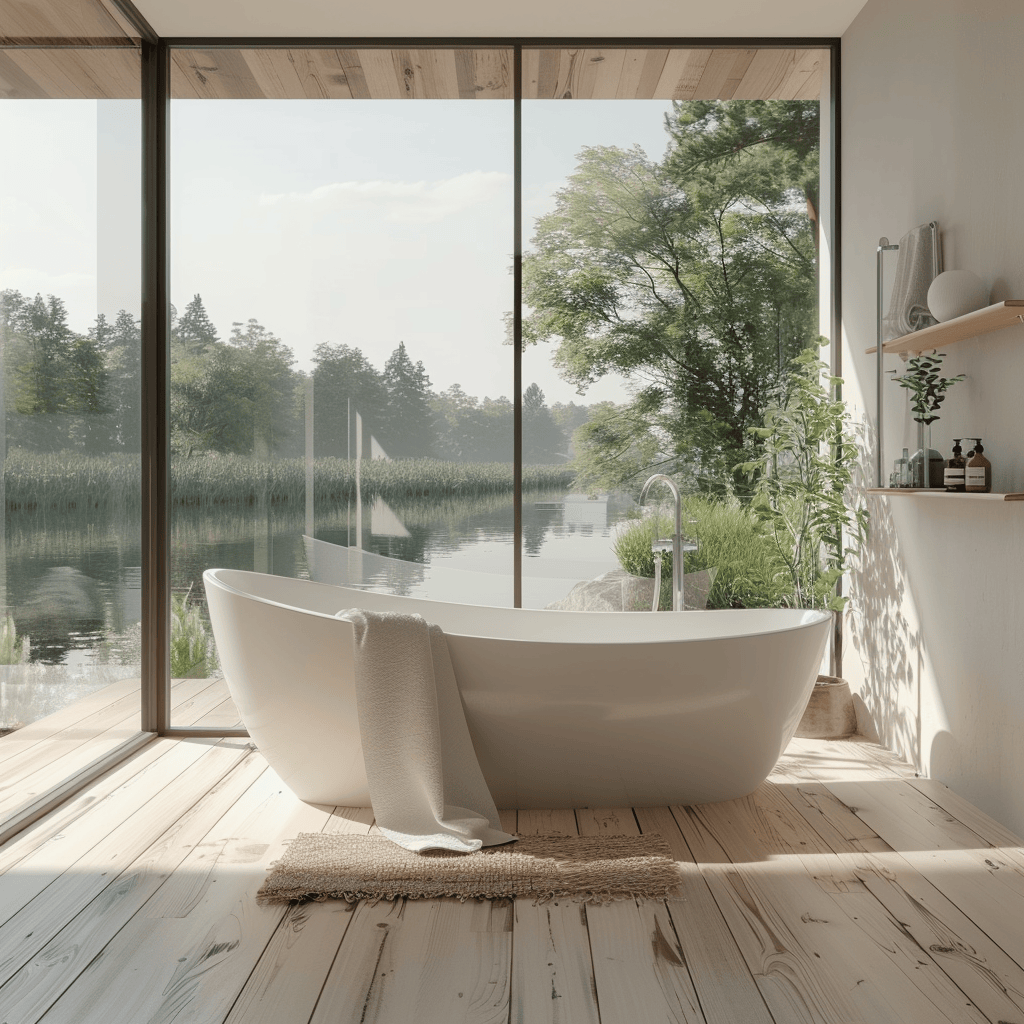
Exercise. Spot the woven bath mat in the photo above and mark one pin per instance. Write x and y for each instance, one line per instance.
(585, 869)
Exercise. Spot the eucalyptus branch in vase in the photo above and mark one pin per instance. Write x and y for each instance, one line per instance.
(927, 389)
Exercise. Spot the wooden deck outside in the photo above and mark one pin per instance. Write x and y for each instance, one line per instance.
(54, 751)
(843, 890)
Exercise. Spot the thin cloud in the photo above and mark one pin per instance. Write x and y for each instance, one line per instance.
(410, 202)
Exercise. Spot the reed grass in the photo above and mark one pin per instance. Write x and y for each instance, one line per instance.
(14, 650)
(751, 573)
(192, 650)
(68, 482)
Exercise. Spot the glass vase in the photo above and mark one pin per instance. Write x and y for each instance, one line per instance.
(926, 464)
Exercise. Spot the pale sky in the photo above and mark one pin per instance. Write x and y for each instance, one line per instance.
(367, 223)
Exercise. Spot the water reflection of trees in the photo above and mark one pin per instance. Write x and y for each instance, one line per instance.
(82, 537)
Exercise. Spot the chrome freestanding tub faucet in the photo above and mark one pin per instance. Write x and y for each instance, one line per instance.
(675, 543)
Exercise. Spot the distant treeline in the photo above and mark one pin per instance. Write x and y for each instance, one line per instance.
(35, 481)
(81, 393)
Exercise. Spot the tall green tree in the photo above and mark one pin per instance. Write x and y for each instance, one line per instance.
(263, 386)
(124, 367)
(55, 379)
(471, 430)
(200, 418)
(193, 333)
(345, 383)
(408, 422)
(238, 397)
(544, 442)
(693, 277)
(44, 367)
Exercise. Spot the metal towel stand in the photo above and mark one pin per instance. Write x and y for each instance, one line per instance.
(883, 247)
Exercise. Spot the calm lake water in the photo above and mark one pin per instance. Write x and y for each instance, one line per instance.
(72, 582)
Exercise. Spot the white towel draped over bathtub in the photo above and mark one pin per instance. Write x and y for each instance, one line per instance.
(425, 782)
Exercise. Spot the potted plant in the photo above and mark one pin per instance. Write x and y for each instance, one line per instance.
(800, 479)
(928, 391)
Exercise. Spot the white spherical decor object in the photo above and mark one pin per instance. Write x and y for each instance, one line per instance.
(955, 293)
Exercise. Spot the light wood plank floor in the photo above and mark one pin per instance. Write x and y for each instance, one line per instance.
(53, 751)
(844, 890)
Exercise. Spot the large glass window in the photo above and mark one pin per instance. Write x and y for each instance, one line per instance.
(341, 367)
(341, 358)
(70, 559)
(670, 278)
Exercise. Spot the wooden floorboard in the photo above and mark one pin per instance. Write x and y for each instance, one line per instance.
(40, 758)
(552, 971)
(845, 889)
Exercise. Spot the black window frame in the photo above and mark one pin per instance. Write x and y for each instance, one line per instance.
(156, 55)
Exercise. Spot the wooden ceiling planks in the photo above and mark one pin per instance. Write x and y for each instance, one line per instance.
(15, 82)
(426, 74)
(602, 73)
(453, 73)
(82, 73)
(352, 66)
(768, 72)
(380, 74)
(631, 74)
(681, 75)
(213, 75)
(325, 74)
(674, 73)
(276, 73)
(808, 74)
(129, 30)
(64, 22)
(492, 73)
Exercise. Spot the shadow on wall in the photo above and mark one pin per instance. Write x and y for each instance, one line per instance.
(946, 756)
(890, 651)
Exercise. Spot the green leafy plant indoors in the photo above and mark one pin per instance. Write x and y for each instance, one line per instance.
(192, 654)
(928, 389)
(800, 481)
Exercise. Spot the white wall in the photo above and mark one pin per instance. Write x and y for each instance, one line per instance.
(470, 18)
(932, 129)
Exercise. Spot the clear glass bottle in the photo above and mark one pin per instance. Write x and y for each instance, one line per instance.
(903, 469)
(926, 464)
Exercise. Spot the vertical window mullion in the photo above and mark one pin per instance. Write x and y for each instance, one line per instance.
(156, 543)
(517, 326)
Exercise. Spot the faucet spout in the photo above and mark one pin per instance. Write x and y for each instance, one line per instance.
(677, 538)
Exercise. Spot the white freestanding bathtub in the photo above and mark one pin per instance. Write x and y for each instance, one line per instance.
(566, 709)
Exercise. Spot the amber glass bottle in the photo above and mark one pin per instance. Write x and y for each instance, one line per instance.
(978, 472)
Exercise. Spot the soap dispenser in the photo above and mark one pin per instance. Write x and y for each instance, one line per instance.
(953, 476)
(978, 472)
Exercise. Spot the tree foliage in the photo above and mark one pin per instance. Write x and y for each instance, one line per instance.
(801, 477)
(70, 392)
(408, 422)
(693, 277)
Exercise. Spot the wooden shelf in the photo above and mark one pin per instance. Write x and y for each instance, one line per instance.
(970, 325)
(939, 492)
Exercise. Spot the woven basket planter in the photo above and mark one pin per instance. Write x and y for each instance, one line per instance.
(830, 714)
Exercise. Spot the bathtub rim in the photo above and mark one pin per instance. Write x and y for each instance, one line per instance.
(808, 618)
